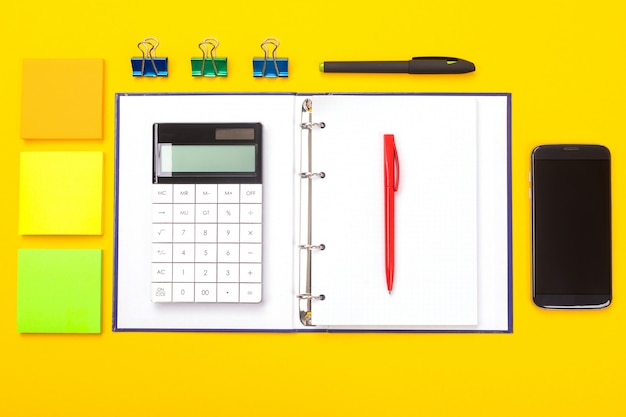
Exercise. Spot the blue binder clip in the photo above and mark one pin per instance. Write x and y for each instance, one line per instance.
(209, 65)
(149, 65)
(270, 67)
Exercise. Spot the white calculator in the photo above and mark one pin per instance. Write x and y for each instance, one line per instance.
(207, 212)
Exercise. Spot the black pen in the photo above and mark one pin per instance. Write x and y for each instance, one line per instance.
(418, 65)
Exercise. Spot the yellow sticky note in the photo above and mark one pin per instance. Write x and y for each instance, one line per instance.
(62, 98)
(60, 193)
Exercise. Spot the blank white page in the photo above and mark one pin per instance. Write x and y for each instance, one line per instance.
(436, 255)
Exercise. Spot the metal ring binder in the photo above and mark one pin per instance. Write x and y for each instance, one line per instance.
(312, 125)
(312, 174)
(306, 200)
(321, 246)
(321, 297)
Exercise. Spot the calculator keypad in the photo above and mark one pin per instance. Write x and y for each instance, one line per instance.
(207, 243)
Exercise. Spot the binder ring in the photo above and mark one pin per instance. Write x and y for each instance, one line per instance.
(307, 105)
(312, 174)
(321, 246)
(320, 297)
(310, 126)
(206, 52)
(148, 50)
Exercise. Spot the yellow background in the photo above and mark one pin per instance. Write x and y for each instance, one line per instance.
(562, 61)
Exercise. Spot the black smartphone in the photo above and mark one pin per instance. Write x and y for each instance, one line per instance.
(571, 226)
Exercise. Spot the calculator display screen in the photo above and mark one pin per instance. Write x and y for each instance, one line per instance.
(208, 158)
(207, 153)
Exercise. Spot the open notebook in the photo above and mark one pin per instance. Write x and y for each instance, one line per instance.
(452, 212)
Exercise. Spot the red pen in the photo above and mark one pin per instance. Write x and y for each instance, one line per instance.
(392, 180)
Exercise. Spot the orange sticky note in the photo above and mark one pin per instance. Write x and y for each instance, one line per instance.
(62, 98)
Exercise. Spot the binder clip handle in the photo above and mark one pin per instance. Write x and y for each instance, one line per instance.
(269, 66)
(206, 52)
(200, 67)
(148, 46)
(157, 66)
(148, 50)
(266, 45)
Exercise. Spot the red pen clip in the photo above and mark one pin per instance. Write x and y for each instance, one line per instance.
(392, 163)
(392, 180)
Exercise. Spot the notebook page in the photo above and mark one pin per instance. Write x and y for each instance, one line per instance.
(435, 211)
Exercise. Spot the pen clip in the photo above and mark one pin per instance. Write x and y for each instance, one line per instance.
(396, 168)
(439, 65)
(392, 163)
(447, 59)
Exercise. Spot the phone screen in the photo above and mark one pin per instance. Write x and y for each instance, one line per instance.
(571, 208)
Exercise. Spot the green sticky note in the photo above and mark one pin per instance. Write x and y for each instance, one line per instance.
(59, 290)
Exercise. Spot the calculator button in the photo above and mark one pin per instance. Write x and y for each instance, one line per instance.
(250, 272)
(206, 243)
(250, 293)
(206, 213)
(206, 272)
(183, 272)
(206, 252)
(206, 193)
(228, 233)
(162, 193)
(250, 252)
(161, 292)
(227, 272)
(183, 252)
(183, 292)
(183, 232)
(161, 272)
(228, 213)
(227, 293)
(250, 233)
(161, 252)
(227, 252)
(162, 233)
(251, 213)
(184, 213)
(162, 213)
(228, 193)
(206, 233)
(184, 193)
(251, 193)
(206, 293)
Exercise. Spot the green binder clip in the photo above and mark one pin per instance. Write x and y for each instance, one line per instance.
(270, 67)
(209, 65)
